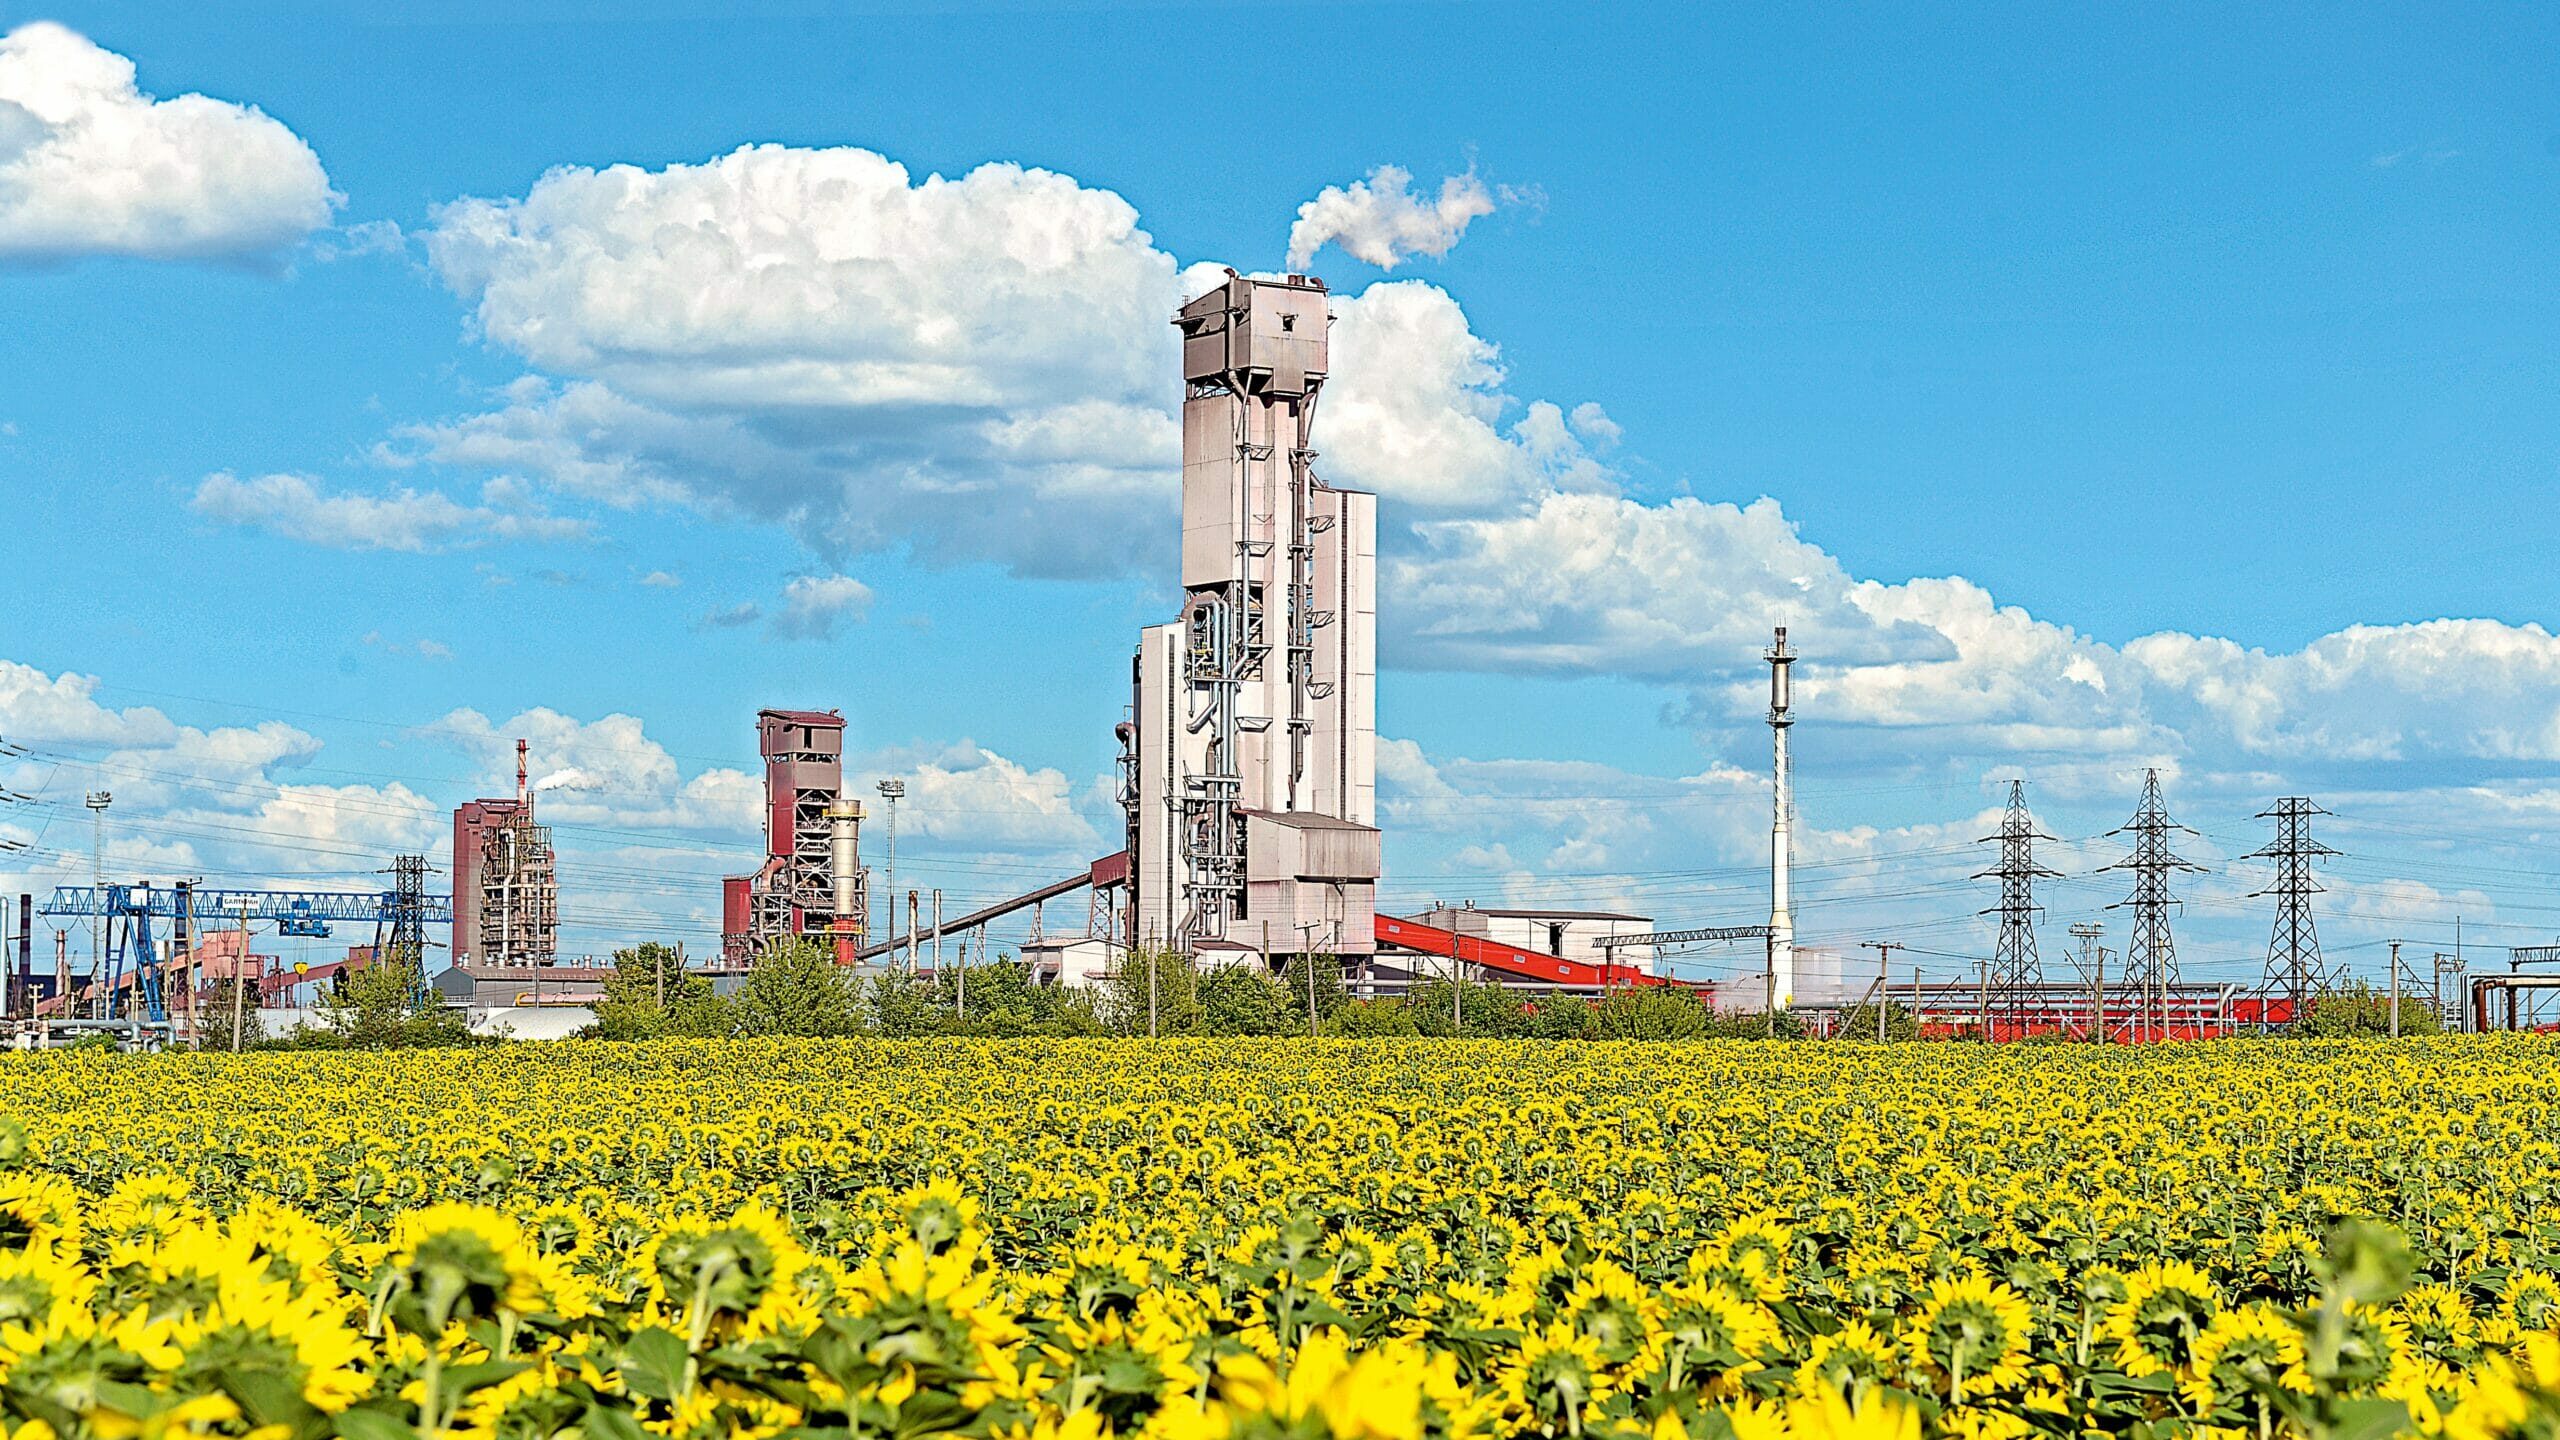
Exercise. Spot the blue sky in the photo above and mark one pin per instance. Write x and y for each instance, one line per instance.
(2158, 331)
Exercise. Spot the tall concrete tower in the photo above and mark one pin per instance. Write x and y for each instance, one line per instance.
(1249, 766)
(1782, 920)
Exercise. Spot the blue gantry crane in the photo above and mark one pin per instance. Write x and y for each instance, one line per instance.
(127, 915)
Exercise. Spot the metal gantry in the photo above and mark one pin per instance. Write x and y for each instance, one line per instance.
(2294, 970)
(2151, 952)
(403, 927)
(2014, 978)
(131, 920)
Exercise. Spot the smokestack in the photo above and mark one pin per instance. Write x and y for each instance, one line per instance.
(844, 823)
(523, 796)
(1782, 922)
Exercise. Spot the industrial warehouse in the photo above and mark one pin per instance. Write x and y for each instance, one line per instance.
(1246, 764)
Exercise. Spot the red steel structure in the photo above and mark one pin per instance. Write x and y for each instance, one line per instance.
(793, 892)
(506, 894)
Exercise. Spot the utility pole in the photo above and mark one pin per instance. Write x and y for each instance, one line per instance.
(98, 801)
(2087, 935)
(2395, 989)
(2015, 968)
(937, 936)
(1982, 1016)
(891, 792)
(1884, 978)
(187, 966)
(239, 983)
(2102, 994)
(2151, 956)
(2293, 970)
(1307, 957)
(911, 934)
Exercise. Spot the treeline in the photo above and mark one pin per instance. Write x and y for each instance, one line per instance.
(795, 988)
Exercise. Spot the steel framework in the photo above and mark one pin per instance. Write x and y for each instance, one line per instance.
(127, 972)
(2016, 971)
(2294, 969)
(2151, 953)
(401, 934)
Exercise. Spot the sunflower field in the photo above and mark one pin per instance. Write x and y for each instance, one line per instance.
(1284, 1239)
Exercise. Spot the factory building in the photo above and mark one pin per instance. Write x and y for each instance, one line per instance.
(1249, 759)
(1567, 934)
(811, 882)
(506, 894)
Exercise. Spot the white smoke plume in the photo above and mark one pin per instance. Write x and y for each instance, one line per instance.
(1382, 221)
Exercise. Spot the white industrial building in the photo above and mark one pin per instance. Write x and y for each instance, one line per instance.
(1249, 764)
(1566, 934)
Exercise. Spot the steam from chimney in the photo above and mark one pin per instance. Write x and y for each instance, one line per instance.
(570, 779)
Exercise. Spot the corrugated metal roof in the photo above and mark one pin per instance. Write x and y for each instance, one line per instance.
(1308, 820)
(821, 718)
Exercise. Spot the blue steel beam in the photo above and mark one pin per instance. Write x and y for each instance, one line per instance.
(212, 907)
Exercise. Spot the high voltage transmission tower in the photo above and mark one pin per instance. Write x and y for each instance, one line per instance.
(2151, 952)
(2015, 977)
(2294, 971)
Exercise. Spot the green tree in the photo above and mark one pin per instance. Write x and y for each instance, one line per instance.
(900, 1005)
(1003, 1000)
(1330, 996)
(796, 988)
(1560, 1017)
(225, 1000)
(382, 1007)
(1650, 1012)
(1241, 998)
(652, 993)
(1171, 998)
(1477, 1009)
(1758, 1025)
(2359, 1009)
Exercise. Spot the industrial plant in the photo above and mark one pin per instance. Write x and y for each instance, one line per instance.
(1246, 767)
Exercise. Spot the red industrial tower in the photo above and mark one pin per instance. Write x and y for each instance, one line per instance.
(795, 893)
(506, 897)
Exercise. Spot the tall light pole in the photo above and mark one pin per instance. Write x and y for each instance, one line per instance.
(98, 802)
(1782, 924)
(891, 792)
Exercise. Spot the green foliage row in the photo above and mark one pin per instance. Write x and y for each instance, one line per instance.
(796, 989)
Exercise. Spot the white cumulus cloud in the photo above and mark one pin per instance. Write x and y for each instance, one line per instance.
(814, 605)
(820, 339)
(411, 520)
(1382, 222)
(90, 165)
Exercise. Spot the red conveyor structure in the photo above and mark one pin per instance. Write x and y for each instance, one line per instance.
(1508, 959)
